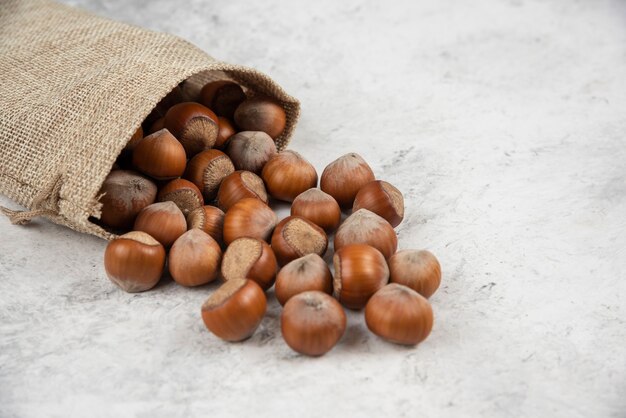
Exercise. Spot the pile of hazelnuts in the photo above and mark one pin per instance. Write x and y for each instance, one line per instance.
(195, 193)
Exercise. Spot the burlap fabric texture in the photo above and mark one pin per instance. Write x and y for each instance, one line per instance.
(74, 89)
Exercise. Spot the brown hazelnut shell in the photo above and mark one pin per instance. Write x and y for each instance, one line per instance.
(344, 177)
(252, 259)
(250, 150)
(124, 194)
(312, 323)
(195, 126)
(160, 156)
(318, 207)
(419, 270)
(163, 221)
(222, 97)
(309, 272)
(184, 193)
(207, 169)
(287, 174)
(383, 199)
(226, 130)
(399, 314)
(195, 258)
(209, 219)
(295, 237)
(249, 218)
(365, 227)
(240, 185)
(134, 261)
(261, 114)
(360, 271)
(235, 310)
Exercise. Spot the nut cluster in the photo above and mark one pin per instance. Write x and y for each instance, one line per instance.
(197, 192)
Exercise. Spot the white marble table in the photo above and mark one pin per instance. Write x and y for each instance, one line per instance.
(503, 123)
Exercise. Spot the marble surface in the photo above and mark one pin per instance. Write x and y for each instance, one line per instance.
(501, 121)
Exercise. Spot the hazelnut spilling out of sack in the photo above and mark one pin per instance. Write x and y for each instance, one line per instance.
(193, 196)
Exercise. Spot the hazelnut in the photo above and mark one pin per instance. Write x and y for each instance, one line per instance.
(295, 237)
(249, 218)
(383, 199)
(226, 130)
(251, 150)
(399, 314)
(195, 258)
(240, 185)
(173, 97)
(207, 169)
(182, 192)
(287, 174)
(235, 310)
(418, 270)
(160, 155)
(194, 125)
(134, 140)
(222, 97)
(126, 193)
(360, 271)
(163, 221)
(261, 114)
(344, 177)
(157, 125)
(312, 323)
(209, 219)
(134, 261)
(365, 227)
(250, 258)
(302, 274)
(318, 207)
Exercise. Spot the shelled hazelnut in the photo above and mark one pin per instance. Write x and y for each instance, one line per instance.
(207, 169)
(287, 174)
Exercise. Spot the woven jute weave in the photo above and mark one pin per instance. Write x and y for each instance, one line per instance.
(74, 89)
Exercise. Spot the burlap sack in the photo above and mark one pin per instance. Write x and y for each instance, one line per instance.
(74, 89)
